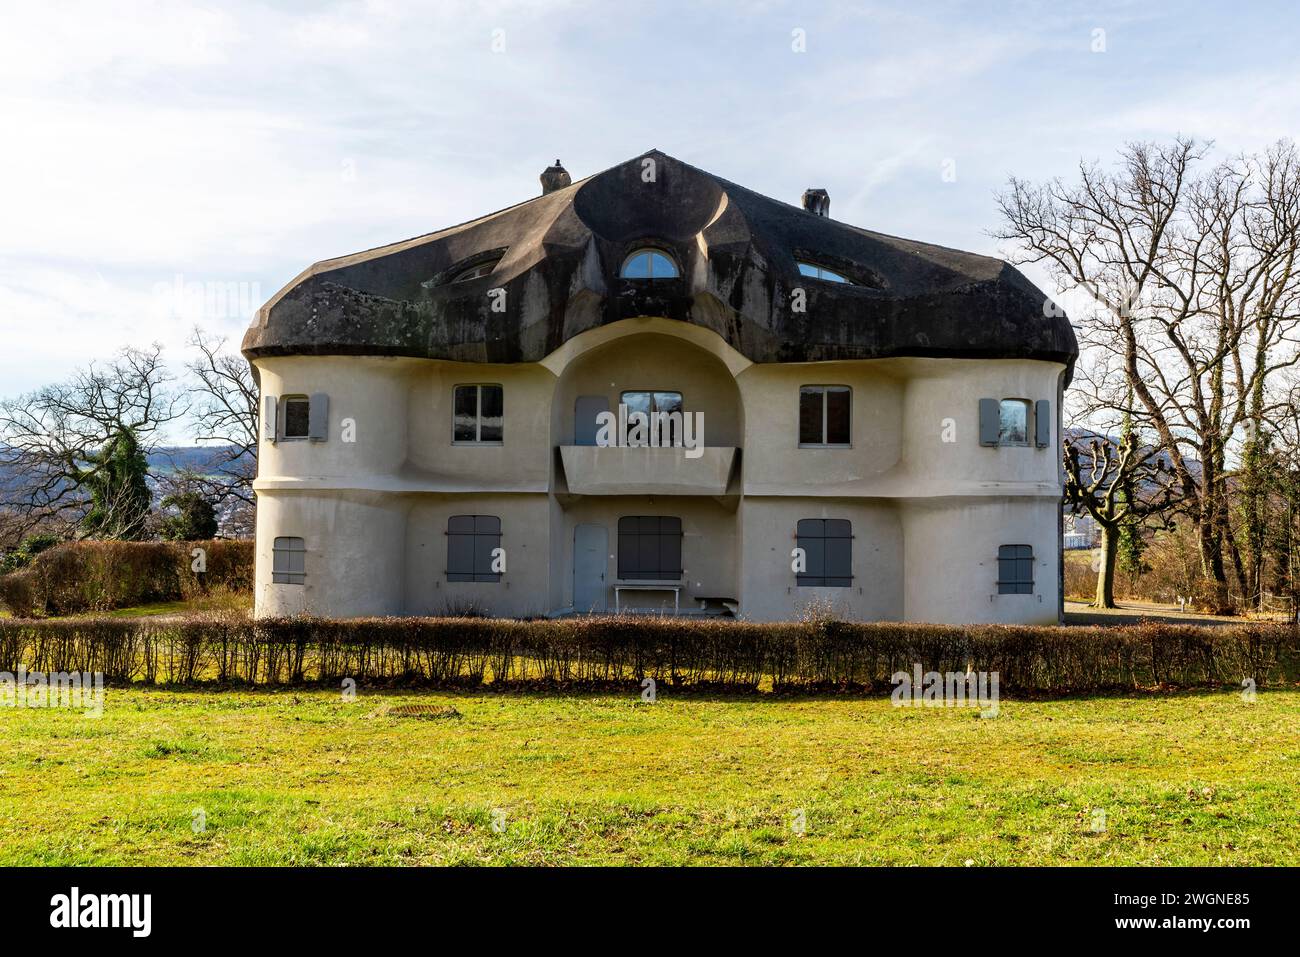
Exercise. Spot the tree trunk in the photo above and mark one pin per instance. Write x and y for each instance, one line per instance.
(1105, 597)
(1216, 578)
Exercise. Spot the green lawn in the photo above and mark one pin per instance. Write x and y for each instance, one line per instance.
(307, 778)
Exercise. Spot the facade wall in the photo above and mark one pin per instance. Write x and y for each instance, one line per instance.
(525, 536)
(355, 561)
(709, 554)
(950, 560)
(771, 589)
(928, 504)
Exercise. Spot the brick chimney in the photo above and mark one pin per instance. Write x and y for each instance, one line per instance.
(554, 177)
(817, 202)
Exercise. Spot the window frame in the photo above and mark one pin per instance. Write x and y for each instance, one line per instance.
(1028, 406)
(659, 573)
(475, 575)
(826, 389)
(807, 579)
(649, 251)
(1016, 585)
(478, 413)
(291, 577)
(282, 415)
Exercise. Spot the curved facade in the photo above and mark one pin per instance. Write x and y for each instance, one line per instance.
(465, 420)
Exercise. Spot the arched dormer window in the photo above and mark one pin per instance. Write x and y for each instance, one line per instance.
(649, 263)
(815, 271)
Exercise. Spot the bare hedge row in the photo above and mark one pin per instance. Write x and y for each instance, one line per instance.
(458, 652)
(99, 576)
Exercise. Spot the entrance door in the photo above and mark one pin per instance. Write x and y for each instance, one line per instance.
(585, 410)
(590, 551)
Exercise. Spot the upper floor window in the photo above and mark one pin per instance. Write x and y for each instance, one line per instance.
(296, 417)
(478, 415)
(827, 545)
(649, 263)
(1015, 570)
(289, 561)
(652, 402)
(476, 272)
(824, 415)
(814, 271)
(1008, 422)
(473, 548)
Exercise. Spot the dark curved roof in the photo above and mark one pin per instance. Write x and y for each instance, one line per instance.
(560, 258)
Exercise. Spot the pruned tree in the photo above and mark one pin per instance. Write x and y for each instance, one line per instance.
(72, 451)
(1121, 484)
(1194, 287)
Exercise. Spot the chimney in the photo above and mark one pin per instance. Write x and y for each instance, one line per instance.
(554, 177)
(817, 202)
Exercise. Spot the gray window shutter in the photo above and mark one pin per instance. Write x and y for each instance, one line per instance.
(989, 421)
(268, 418)
(1042, 423)
(318, 417)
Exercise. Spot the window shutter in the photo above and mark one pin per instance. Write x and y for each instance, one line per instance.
(1042, 423)
(989, 422)
(318, 415)
(268, 418)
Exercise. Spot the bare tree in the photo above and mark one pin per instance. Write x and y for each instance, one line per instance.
(1195, 289)
(226, 413)
(52, 440)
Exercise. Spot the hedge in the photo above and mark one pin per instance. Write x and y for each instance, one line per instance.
(86, 576)
(603, 652)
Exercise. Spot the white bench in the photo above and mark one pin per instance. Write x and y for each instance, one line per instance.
(674, 587)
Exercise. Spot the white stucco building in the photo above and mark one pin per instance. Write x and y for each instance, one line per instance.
(880, 417)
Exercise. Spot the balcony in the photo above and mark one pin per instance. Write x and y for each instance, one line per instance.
(619, 470)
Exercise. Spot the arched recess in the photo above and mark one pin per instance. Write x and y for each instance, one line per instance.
(646, 354)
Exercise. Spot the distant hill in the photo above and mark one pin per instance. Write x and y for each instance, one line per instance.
(204, 459)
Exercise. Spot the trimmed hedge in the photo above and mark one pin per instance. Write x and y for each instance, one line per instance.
(86, 576)
(602, 652)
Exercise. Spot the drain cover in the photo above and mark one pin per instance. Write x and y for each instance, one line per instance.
(422, 711)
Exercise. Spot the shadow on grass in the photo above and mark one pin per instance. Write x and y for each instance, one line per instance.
(593, 691)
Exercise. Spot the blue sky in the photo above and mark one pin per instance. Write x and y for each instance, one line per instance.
(224, 147)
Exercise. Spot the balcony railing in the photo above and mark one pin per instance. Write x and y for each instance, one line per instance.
(619, 470)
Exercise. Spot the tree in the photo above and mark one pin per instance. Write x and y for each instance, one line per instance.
(192, 517)
(226, 412)
(1194, 287)
(1121, 485)
(73, 450)
(118, 479)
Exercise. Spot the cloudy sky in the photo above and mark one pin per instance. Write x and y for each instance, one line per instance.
(173, 163)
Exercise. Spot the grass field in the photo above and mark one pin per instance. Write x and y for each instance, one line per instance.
(303, 777)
